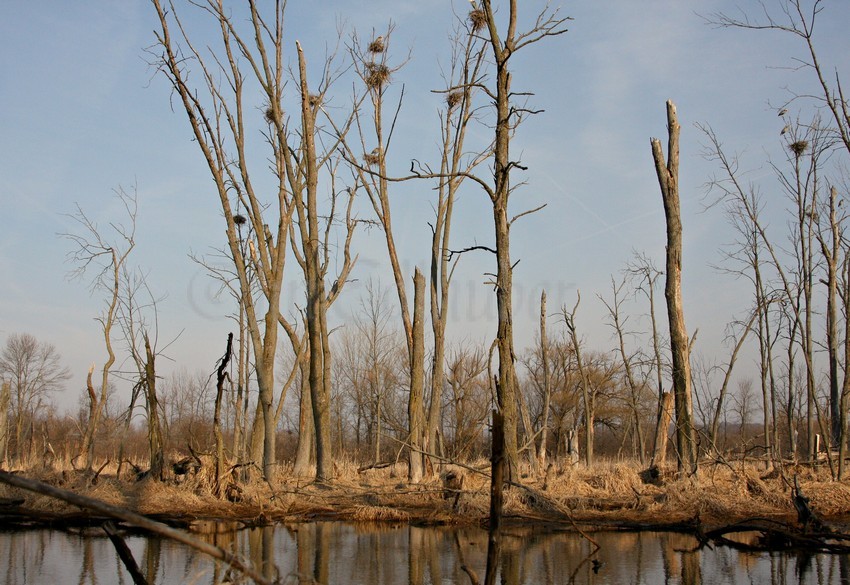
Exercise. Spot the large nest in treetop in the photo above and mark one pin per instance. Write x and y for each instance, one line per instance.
(270, 115)
(377, 46)
(239, 219)
(377, 75)
(477, 19)
(798, 147)
(453, 98)
(314, 100)
(372, 158)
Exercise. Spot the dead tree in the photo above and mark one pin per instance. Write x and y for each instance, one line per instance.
(588, 395)
(668, 180)
(415, 404)
(95, 251)
(219, 113)
(547, 383)
(221, 376)
(508, 115)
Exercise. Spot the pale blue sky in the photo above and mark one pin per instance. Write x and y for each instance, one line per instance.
(81, 113)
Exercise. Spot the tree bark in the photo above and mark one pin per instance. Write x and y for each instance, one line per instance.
(5, 399)
(668, 180)
(316, 307)
(415, 406)
(221, 376)
(661, 431)
(547, 383)
(157, 454)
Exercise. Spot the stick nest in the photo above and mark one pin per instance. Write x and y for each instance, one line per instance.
(477, 19)
(798, 147)
(372, 158)
(454, 98)
(377, 75)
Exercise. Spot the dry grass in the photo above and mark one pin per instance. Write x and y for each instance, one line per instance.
(609, 493)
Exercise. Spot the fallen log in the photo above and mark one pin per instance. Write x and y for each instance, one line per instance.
(134, 519)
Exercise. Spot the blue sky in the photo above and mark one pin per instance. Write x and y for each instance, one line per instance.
(82, 113)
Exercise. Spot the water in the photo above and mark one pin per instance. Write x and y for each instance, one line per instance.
(332, 552)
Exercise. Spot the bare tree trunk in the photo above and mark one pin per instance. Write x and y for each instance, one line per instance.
(497, 480)
(661, 431)
(157, 454)
(668, 179)
(306, 432)
(528, 446)
(316, 322)
(459, 112)
(221, 376)
(547, 382)
(5, 399)
(715, 422)
(547, 24)
(415, 405)
(845, 387)
(586, 392)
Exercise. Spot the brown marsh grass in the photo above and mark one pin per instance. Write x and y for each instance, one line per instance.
(610, 493)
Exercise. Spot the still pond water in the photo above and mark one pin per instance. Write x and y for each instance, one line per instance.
(331, 552)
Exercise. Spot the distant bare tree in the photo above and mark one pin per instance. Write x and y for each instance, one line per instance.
(635, 386)
(138, 318)
(102, 252)
(33, 370)
(588, 395)
(5, 400)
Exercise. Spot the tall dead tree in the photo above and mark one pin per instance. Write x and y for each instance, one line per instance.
(505, 41)
(217, 110)
(248, 64)
(668, 180)
(547, 383)
(467, 62)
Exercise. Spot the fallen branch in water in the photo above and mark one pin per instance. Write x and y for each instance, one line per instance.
(124, 553)
(134, 519)
(773, 535)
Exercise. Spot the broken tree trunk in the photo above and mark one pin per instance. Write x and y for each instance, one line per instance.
(220, 375)
(415, 406)
(497, 480)
(668, 180)
(662, 430)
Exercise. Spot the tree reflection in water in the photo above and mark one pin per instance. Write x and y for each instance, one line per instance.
(328, 552)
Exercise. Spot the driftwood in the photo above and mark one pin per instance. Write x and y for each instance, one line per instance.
(134, 519)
